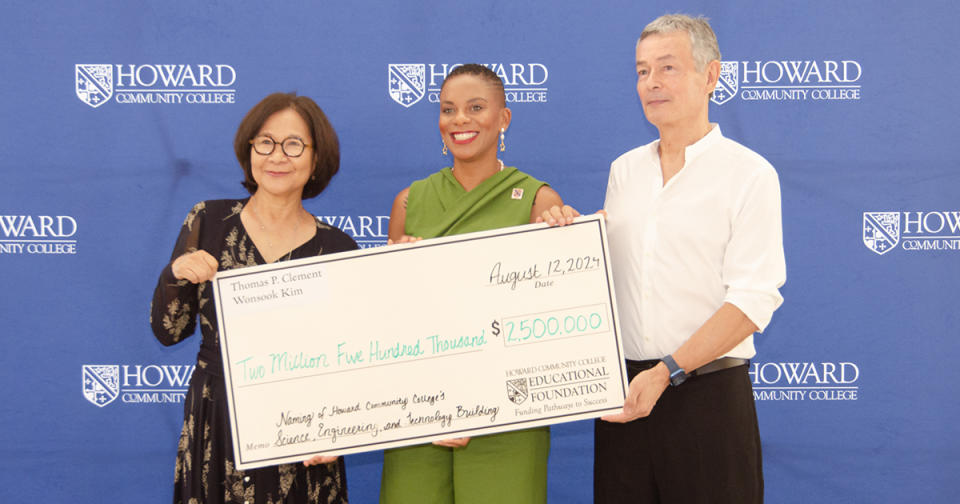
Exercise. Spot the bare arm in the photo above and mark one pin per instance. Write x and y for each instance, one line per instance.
(724, 330)
(718, 335)
(548, 207)
(545, 198)
(396, 233)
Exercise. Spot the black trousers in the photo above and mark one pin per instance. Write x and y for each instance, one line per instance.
(700, 445)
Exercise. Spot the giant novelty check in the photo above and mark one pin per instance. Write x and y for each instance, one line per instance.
(450, 337)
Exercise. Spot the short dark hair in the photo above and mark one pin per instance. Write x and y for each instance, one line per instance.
(479, 71)
(326, 147)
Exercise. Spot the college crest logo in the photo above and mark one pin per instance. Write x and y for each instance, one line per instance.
(94, 84)
(881, 231)
(101, 384)
(406, 82)
(517, 390)
(727, 84)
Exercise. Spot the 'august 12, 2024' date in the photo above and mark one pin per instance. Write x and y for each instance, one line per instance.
(505, 275)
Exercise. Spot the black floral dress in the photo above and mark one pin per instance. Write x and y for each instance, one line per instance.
(205, 471)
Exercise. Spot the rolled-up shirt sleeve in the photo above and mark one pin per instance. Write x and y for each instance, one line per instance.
(754, 267)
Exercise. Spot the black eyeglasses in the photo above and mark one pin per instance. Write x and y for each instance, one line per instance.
(291, 146)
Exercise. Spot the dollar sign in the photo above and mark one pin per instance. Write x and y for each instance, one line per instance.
(496, 328)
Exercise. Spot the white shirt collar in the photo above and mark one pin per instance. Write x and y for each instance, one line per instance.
(697, 148)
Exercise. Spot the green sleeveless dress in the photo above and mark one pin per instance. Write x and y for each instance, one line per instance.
(504, 468)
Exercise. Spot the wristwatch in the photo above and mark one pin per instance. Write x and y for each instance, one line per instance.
(677, 374)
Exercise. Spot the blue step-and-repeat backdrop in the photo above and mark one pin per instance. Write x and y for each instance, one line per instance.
(118, 116)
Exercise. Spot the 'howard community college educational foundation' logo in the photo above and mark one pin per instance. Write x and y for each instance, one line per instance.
(94, 84)
(517, 390)
(406, 82)
(881, 231)
(101, 384)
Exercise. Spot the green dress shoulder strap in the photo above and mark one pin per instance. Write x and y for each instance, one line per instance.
(439, 206)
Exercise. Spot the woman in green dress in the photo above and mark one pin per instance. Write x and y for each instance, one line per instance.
(477, 193)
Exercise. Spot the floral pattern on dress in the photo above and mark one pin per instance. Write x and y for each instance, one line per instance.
(199, 207)
(176, 319)
(205, 471)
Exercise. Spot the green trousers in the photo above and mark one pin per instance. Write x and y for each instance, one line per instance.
(502, 468)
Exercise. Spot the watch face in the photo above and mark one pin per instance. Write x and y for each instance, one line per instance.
(678, 377)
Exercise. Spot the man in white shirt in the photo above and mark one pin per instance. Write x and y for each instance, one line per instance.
(697, 253)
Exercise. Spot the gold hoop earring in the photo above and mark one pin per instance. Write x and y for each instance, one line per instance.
(444, 150)
(502, 146)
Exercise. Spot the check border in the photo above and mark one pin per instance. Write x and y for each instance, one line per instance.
(245, 461)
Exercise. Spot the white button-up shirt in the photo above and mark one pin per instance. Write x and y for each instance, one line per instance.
(711, 235)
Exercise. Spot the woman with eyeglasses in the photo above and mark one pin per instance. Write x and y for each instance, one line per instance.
(289, 152)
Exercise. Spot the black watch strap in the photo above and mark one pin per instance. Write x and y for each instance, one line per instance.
(677, 374)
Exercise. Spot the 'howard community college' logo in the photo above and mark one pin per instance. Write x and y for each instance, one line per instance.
(38, 234)
(408, 83)
(135, 384)
(94, 84)
(805, 381)
(367, 230)
(727, 84)
(913, 231)
(101, 384)
(881, 231)
(788, 80)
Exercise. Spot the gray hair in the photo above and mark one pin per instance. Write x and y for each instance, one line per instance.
(702, 39)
